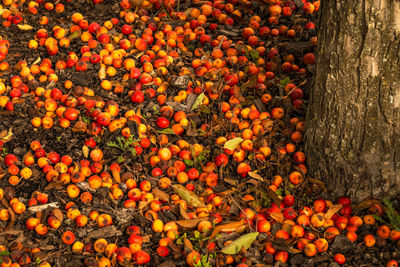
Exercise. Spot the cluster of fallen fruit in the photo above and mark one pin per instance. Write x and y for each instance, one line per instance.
(230, 88)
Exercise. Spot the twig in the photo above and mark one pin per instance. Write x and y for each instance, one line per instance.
(43, 207)
(247, 218)
(166, 12)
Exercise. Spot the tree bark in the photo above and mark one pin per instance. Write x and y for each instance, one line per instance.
(353, 122)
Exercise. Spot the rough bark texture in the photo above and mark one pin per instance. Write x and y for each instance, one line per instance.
(353, 122)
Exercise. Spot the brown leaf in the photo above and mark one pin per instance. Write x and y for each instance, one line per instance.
(53, 185)
(316, 181)
(183, 213)
(187, 244)
(189, 196)
(6, 137)
(177, 251)
(238, 93)
(25, 27)
(160, 194)
(80, 126)
(274, 196)
(229, 227)
(136, 3)
(366, 203)
(331, 211)
(191, 223)
(58, 214)
(43, 207)
(12, 219)
(142, 205)
(85, 151)
(3, 133)
(47, 247)
(294, 250)
(102, 72)
(277, 216)
(209, 167)
(11, 232)
(256, 176)
(147, 238)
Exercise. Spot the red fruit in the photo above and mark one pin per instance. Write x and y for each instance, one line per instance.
(309, 59)
(319, 205)
(91, 142)
(10, 159)
(40, 153)
(54, 157)
(15, 93)
(135, 239)
(95, 58)
(346, 210)
(344, 201)
(162, 122)
(135, 73)
(341, 222)
(287, 11)
(163, 251)
(156, 172)
(190, 187)
(56, 94)
(299, 157)
(133, 230)
(137, 97)
(339, 258)
(213, 26)
(71, 114)
(231, 78)
(152, 26)
(124, 254)
(17, 19)
(9, 106)
(193, 173)
(145, 143)
(126, 29)
(309, 26)
(288, 200)
(93, 27)
(298, 104)
(297, 94)
(376, 209)
(263, 226)
(104, 38)
(221, 159)
(142, 257)
(211, 246)
(205, 39)
(289, 213)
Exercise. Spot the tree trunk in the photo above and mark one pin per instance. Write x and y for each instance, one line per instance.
(353, 122)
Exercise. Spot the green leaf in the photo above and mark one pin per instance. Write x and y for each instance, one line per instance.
(279, 191)
(120, 159)
(166, 131)
(284, 82)
(233, 143)
(204, 109)
(190, 197)
(196, 234)
(188, 162)
(199, 101)
(243, 241)
(201, 158)
(254, 54)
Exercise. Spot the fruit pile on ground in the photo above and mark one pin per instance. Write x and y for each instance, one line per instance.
(168, 132)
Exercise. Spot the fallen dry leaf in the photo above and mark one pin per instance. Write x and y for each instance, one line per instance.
(191, 223)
